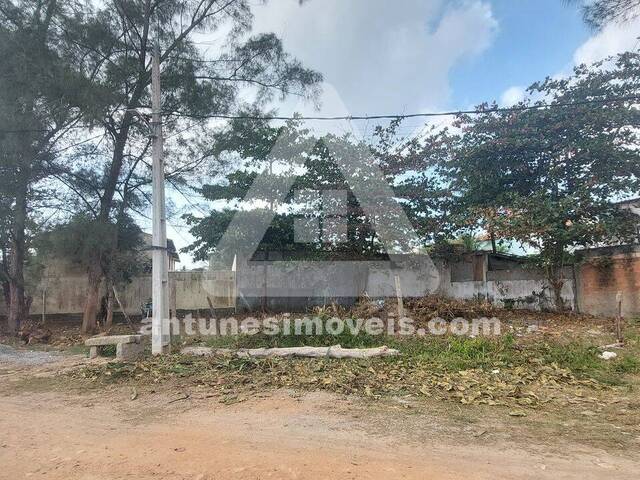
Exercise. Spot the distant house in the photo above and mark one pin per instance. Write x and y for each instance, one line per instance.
(171, 250)
(509, 247)
(632, 205)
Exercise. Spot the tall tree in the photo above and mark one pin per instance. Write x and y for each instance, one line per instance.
(401, 165)
(409, 166)
(549, 174)
(118, 43)
(42, 97)
(253, 143)
(5, 228)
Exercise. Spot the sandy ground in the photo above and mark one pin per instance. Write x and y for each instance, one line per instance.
(280, 435)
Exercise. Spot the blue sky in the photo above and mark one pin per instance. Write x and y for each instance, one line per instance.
(534, 39)
(381, 56)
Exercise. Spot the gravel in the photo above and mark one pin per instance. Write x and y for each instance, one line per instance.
(26, 357)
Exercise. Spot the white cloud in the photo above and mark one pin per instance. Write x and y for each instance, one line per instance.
(614, 38)
(512, 95)
(382, 56)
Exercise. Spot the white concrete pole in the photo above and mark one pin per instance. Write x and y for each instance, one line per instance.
(160, 342)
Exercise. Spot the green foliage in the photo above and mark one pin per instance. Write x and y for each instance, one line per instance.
(42, 97)
(249, 147)
(77, 240)
(78, 64)
(469, 242)
(254, 143)
(575, 356)
(627, 364)
(546, 176)
(192, 86)
(453, 354)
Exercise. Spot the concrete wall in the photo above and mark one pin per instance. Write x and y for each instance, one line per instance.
(189, 290)
(529, 294)
(297, 286)
(502, 279)
(65, 295)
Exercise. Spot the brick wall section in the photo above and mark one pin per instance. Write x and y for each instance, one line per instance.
(601, 278)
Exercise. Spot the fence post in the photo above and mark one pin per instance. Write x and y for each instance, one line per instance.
(399, 296)
(619, 329)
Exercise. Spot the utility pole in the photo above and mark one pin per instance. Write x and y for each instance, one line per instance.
(161, 335)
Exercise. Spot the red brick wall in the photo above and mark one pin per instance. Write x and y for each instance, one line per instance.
(601, 278)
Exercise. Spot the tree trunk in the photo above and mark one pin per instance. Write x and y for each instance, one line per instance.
(108, 323)
(556, 278)
(89, 317)
(6, 293)
(18, 309)
(554, 255)
(16, 306)
(556, 286)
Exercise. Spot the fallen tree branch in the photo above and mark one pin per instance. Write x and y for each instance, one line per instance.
(335, 351)
(115, 294)
(185, 396)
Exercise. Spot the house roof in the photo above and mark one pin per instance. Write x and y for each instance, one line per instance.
(171, 247)
(505, 256)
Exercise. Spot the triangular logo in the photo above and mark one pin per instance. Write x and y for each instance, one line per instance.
(304, 278)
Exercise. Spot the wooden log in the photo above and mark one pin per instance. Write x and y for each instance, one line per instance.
(335, 351)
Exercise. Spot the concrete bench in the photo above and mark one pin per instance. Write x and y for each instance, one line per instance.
(128, 347)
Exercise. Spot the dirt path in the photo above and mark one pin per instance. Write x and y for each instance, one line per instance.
(155, 435)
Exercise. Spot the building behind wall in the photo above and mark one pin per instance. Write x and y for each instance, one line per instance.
(504, 279)
(172, 253)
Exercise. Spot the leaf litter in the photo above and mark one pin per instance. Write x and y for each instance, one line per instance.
(516, 387)
(549, 368)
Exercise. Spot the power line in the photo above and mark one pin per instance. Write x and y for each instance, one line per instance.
(413, 115)
(523, 108)
(24, 130)
(38, 130)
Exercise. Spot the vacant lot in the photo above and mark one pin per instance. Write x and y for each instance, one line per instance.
(536, 402)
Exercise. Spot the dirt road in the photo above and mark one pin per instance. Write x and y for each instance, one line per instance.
(120, 434)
